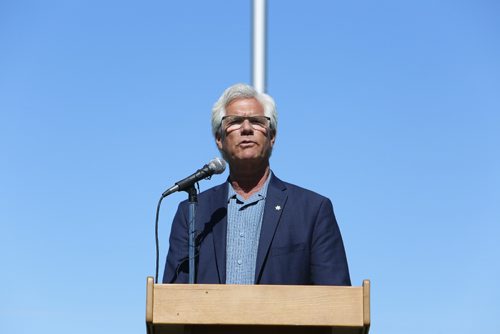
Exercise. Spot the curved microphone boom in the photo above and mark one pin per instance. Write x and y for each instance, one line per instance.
(216, 166)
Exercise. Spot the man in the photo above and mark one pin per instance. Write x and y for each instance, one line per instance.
(255, 228)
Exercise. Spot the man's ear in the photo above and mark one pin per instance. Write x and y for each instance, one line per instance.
(273, 137)
(218, 140)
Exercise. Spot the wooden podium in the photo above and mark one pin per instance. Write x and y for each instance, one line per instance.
(211, 308)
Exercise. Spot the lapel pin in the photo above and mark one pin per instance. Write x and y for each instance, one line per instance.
(277, 207)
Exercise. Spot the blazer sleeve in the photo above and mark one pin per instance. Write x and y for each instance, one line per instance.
(328, 257)
(177, 264)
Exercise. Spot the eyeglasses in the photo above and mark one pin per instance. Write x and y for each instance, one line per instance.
(233, 122)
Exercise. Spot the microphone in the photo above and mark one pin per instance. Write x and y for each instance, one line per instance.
(216, 166)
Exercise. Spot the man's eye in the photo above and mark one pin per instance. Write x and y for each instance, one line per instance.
(258, 121)
(235, 121)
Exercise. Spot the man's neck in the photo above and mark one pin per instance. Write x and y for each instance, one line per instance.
(247, 182)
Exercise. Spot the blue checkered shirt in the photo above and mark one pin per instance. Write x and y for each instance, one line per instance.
(244, 220)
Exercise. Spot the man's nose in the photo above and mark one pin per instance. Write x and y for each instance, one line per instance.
(246, 126)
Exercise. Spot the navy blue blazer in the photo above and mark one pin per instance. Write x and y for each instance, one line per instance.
(300, 241)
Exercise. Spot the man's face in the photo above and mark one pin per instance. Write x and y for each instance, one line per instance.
(249, 142)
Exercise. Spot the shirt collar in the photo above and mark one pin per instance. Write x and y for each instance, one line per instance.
(261, 194)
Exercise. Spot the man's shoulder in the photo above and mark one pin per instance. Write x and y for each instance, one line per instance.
(220, 188)
(219, 192)
(295, 190)
(216, 193)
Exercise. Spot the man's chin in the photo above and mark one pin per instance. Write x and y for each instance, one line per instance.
(248, 160)
(247, 157)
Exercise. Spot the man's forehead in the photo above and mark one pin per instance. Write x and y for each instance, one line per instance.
(245, 106)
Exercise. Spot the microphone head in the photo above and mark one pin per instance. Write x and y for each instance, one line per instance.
(217, 165)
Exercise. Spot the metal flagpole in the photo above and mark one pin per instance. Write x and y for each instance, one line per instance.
(259, 46)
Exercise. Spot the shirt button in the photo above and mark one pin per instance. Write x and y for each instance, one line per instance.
(240, 262)
(242, 234)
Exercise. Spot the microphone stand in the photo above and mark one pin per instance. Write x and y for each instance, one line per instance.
(193, 202)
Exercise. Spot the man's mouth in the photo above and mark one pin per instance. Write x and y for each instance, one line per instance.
(246, 143)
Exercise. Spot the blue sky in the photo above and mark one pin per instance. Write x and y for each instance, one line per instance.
(389, 108)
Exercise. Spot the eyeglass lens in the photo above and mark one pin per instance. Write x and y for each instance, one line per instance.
(235, 122)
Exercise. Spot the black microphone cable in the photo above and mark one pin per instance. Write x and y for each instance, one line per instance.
(215, 166)
(157, 240)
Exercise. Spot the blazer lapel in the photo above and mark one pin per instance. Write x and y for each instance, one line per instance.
(219, 232)
(275, 202)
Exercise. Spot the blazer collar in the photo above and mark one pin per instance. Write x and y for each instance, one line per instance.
(219, 198)
(275, 203)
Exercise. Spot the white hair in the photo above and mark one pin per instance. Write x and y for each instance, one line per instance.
(243, 91)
